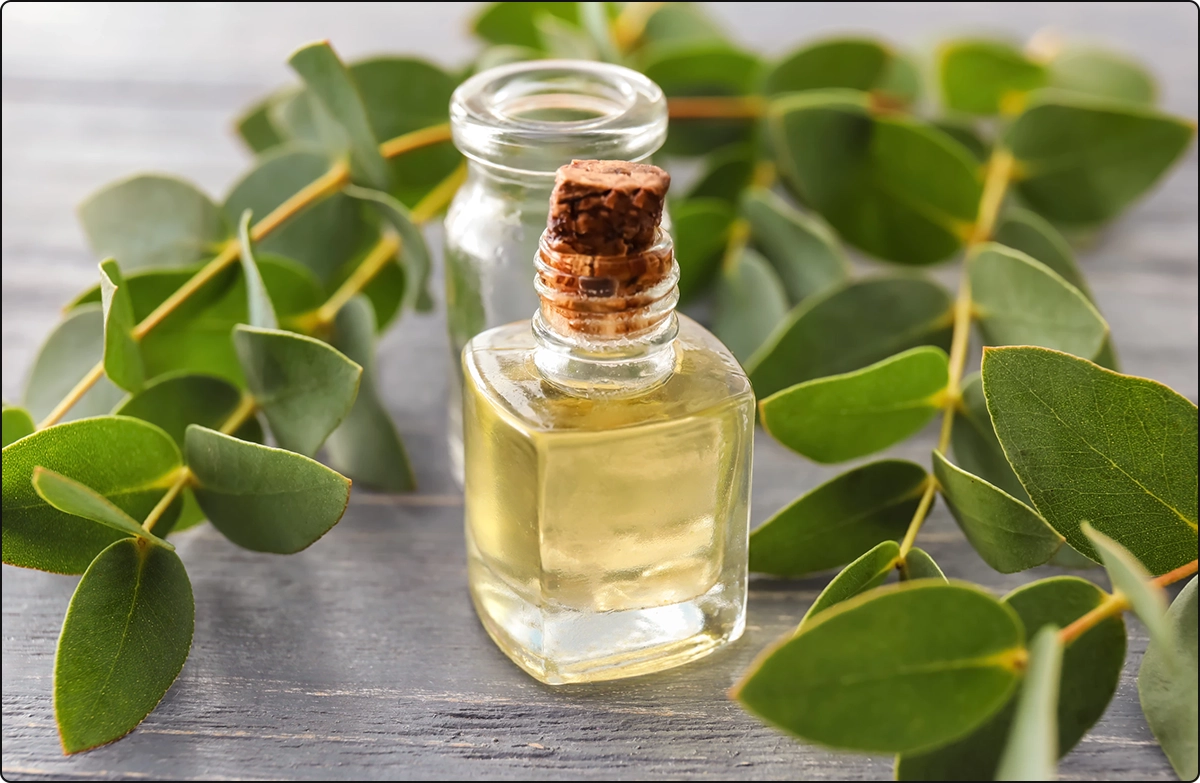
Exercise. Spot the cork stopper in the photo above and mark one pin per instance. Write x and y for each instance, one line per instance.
(606, 207)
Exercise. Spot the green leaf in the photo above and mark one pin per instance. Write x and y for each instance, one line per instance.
(333, 88)
(17, 424)
(1149, 601)
(1102, 74)
(324, 236)
(828, 334)
(365, 446)
(987, 77)
(124, 641)
(707, 70)
(414, 253)
(515, 23)
(750, 303)
(258, 303)
(900, 81)
(1167, 686)
(1082, 160)
(152, 220)
(1020, 301)
(1033, 235)
(174, 402)
(890, 185)
(129, 462)
(965, 133)
(850, 63)
(70, 352)
(1006, 533)
(122, 359)
(897, 669)
(255, 128)
(701, 229)
(260, 498)
(801, 248)
(727, 172)
(1091, 670)
(1091, 444)
(921, 566)
(595, 21)
(839, 520)
(300, 120)
(866, 572)
(564, 41)
(71, 497)
(1031, 751)
(674, 24)
(304, 387)
(976, 448)
(841, 417)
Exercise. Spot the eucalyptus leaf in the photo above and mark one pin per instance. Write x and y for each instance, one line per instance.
(841, 417)
(564, 41)
(71, 497)
(255, 128)
(828, 334)
(1020, 301)
(839, 520)
(893, 670)
(260, 498)
(919, 565)
(1007, 534)
(1102, 74)
(850, 63)
(152, 220)
(1167, 686)
(727, 172)
(987, 77)
(414, 253)
(890, 185)
(701, 229)
(1091, 671)
(866, 572)
(365, 446)
(964, 132)
(331, 85)
(802, 249)
(173, 402)
(595, 22)
(1129, 576)
(70, 352)
(122, 359)
(1082, 160)
(900, 81)
(17, 423)
(515, 23)
(675, 24)
(303, 386)
(258, 302)
(109, 675)
(1031, 751)
(1091, 444)
(129, 462)
(976, 448)
(750, 303)
(705, 69)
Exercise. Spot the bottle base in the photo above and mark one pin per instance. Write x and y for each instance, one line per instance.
(560, 645)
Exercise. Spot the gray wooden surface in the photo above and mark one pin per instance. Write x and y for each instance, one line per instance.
(361, 658)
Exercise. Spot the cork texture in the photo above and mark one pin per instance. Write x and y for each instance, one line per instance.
(606, 207)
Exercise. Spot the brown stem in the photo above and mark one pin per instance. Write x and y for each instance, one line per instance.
(1117, 603)
(746, 107)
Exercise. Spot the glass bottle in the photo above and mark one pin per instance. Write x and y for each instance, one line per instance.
(608, 454)
(516, 124)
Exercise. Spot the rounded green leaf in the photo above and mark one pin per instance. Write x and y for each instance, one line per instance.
(850, 63)
(919, 565)
(260, 498)
(122, 359)
(1033, 235)
(841, 417)
(17, 423)
(1020, 301)
(414, 254)
(71, 497)
(174, 402)
(152, 220)
(514, 23)
(839, 520)
(70, 352)
(866, 572)
(701, 229)
(125, 639)
(727, 172)
(1102, 74)
(255, 128)
(366, 446)
(1089, 444)
(1148, 600)
(986, 77)
(976, 448)
(890, 185)
(965, 133)
(1167, 686)
(900, 81)
(129, 462)
(703, 69)
(673, 24)
(258, 302)
(802, 249)
(1006, 533)
(564, 41)
(828, 334)
(1082, 160)
(750, 303)
(893, 670)
(1031, 751)
(1091, 670)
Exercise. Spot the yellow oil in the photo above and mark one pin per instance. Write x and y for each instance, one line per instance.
(606, 536)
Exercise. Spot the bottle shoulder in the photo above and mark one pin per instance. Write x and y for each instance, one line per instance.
(499, 368)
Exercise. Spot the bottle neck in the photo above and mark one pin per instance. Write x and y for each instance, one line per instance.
(606, 326)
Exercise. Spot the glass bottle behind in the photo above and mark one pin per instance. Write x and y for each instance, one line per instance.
(517, 124)
(607, 476)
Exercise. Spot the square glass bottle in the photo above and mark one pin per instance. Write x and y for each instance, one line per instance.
(608, 451)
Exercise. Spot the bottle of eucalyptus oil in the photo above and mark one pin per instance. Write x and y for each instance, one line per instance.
(607, 450)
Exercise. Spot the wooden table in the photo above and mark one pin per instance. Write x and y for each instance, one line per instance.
(361, 657)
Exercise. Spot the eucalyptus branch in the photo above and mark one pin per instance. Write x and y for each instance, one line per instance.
(746, 107)
(1118, 603)
(383, 252)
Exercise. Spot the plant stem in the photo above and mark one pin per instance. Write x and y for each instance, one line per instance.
(959, 342)
(384, 251)
(630, 24)
(73, 396)
(439, 198)
(425, 137)
(914, 527)
(744, 107)
(1117, 603)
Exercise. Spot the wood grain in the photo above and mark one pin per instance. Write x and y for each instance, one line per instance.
(361, 657)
